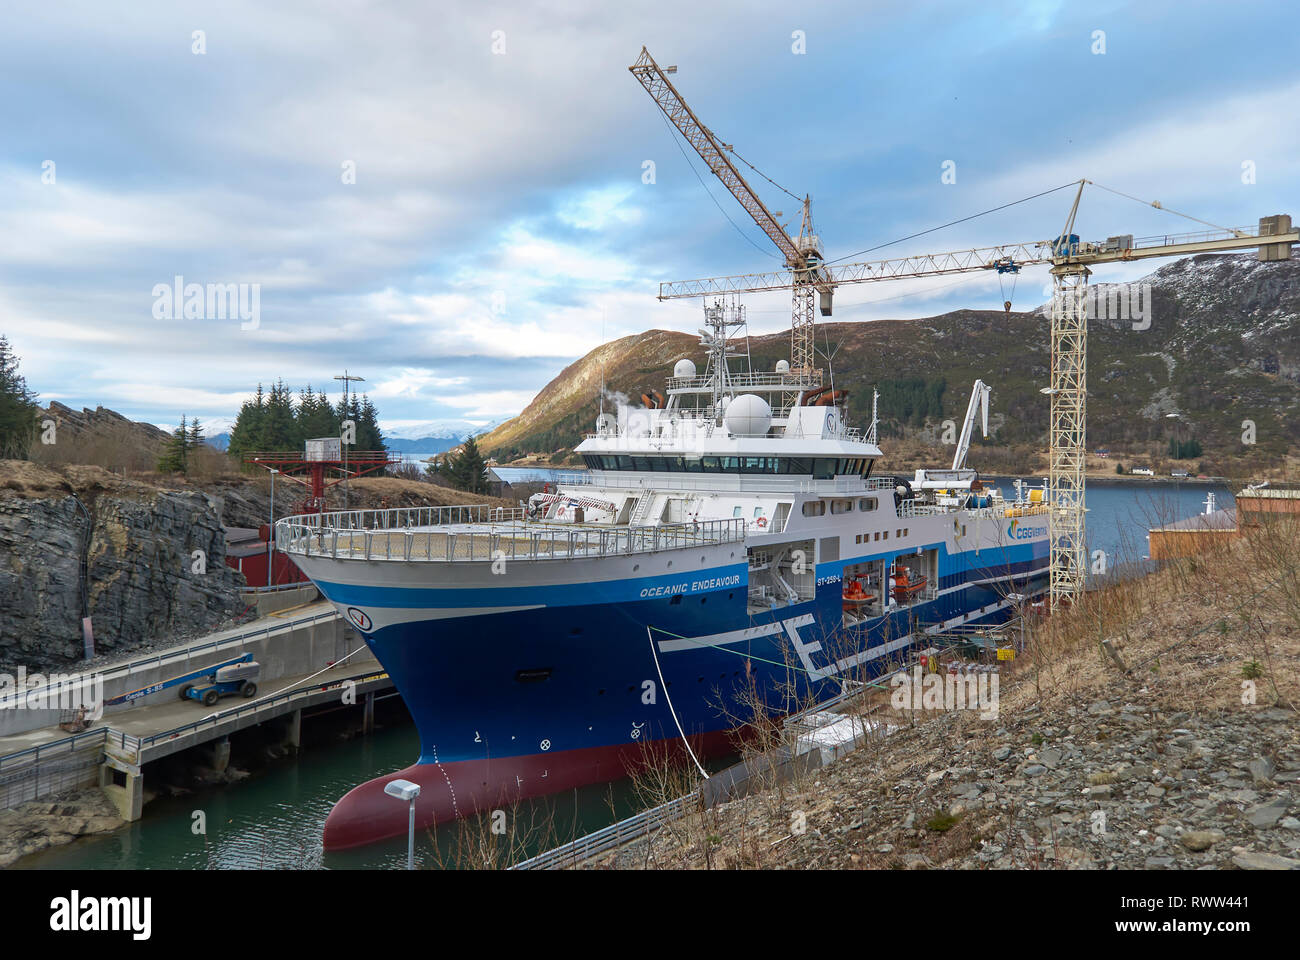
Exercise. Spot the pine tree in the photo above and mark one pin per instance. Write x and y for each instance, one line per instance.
(369, 436)
(466, 470)
(247, 433)
(275, 421)
(18, 408)
(175, 456)
(280, 425)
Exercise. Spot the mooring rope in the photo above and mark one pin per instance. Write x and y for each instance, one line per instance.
(664, 687)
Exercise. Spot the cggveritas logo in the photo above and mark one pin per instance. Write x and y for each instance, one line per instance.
(1016, 532)
(76, 913)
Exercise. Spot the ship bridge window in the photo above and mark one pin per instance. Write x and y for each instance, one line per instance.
(841, 506)
(770, 466)
(814, 508)
(867, 504)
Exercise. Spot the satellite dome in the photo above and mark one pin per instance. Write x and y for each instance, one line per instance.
(783, 366)
(684, 368)
(748, 416)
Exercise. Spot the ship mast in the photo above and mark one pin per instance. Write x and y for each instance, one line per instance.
(717, 341)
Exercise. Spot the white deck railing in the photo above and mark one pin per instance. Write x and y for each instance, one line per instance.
(482, 533)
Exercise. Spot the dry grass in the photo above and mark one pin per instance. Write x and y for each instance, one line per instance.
(1184, 634)
(402, 493)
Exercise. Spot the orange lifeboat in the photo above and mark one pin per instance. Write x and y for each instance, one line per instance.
(905, 587)
(854, 596)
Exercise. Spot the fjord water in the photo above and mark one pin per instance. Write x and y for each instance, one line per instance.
(274, 819)
(1120, 512)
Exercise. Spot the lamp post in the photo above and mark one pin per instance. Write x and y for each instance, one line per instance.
(347, 379)
(408, 791)
(270, 533)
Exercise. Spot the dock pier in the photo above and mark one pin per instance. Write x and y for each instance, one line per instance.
(310, 657)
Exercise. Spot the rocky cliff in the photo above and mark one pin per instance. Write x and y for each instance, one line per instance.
(154, 563)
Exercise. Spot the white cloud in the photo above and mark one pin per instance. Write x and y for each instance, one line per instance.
(413, 383)
(597, 208)
(491, 403)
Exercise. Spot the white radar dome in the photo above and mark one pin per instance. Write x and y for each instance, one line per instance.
(783, 366)
(748, 416)
(684, 368)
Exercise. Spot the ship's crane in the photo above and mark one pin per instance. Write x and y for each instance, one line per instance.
(979, 401)
(807, 275)
(959, 477)
(1071, 261)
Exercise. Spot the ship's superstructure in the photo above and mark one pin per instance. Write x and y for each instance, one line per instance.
(730, 550)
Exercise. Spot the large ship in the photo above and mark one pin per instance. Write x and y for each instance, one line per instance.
(728, 553)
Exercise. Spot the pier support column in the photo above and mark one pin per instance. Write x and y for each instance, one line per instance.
(293, 732)
(123, 784)
(221, 755)
(368, 715)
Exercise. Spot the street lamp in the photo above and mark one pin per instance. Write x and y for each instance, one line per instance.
(347, 379)
(408, 791)
(270, 533)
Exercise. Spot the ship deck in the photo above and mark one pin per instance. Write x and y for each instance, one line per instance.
(449, 534)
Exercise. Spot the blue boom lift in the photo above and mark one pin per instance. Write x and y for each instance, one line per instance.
(237, 675)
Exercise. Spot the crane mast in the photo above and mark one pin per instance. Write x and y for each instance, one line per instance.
(803, 255)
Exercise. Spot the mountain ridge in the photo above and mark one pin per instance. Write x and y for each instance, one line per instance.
(1222, 348)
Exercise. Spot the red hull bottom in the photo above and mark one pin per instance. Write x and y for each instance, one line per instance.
(449, 791)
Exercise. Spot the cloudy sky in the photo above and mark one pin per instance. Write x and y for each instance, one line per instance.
(448, 199)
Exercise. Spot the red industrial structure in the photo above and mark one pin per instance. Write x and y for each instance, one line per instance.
(322, 457)
(323, 464)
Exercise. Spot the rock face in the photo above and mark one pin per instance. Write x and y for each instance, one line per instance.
(39, 824)
(154, 560)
